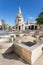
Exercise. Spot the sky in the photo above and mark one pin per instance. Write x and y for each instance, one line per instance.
(30, 10)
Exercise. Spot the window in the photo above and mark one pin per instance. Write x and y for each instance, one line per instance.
(19, 19)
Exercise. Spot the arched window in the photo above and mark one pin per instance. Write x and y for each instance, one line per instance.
(19, 19)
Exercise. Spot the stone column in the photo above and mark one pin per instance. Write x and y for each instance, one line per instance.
(34, 27)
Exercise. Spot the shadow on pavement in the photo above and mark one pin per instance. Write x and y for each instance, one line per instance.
(13, 56)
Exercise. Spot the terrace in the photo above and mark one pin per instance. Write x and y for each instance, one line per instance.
(25, 46)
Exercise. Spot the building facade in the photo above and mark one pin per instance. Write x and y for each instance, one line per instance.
(22, 25)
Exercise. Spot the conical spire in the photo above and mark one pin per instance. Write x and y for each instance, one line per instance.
(19, 10)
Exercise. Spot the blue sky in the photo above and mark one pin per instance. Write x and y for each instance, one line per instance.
(30, 9)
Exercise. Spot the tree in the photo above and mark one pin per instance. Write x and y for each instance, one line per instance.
(40, 19)
(10, 28)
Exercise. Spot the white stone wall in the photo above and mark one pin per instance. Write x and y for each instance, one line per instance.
(29, 54)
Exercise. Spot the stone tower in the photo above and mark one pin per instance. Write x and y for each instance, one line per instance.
(19, 20)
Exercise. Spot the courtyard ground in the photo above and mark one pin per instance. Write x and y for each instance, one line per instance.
(13, 59)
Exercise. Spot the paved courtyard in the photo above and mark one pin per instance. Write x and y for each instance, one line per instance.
(13, 59)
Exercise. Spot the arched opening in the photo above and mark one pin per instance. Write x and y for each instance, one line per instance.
(42, 49)
(1, 28)
(19, 27)
(32, 27)
(16, 27)
(35, 27)
(28, 27)
(19, 19)
(25, 28)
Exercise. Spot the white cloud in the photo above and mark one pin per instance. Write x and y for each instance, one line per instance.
(30, 17)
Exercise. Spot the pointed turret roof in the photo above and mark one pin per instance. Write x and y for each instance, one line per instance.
(19, 12)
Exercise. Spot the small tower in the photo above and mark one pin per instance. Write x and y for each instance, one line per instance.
(19, 17)
(19, 20)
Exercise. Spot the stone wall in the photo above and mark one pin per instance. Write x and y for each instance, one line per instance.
(29, 54)
(36, 53)
(23, 53)
(5, 40)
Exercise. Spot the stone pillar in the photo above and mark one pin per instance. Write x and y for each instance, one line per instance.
(22, 27)
(34, 27)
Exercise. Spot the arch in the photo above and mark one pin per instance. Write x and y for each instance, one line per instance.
(19, 27)
(42, 49)
(35, 27)
(32, 27)
(1, 28)
(28, 27)
(16, 27)
(25, 28)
